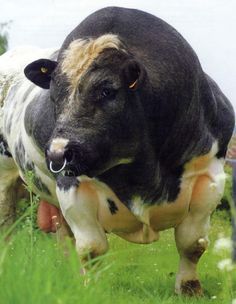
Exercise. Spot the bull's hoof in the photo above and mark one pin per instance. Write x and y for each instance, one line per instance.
(191, 288)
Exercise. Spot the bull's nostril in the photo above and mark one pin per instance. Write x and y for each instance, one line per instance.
(61, 159)
(68, 155)
(59, 130)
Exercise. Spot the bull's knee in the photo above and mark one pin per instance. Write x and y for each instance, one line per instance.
(196, 250)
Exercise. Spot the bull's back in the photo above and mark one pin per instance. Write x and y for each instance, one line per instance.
(153, 41)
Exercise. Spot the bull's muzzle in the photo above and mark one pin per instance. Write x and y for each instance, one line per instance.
(57, 161)
(59, 156)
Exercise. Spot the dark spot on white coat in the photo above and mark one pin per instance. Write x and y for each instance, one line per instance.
(112, 206)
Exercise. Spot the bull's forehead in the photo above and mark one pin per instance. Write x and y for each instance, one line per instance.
(82, 52)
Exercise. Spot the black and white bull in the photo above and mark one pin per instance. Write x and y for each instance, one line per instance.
(134, 133)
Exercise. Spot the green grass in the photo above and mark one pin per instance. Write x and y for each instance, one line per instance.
(35, 269)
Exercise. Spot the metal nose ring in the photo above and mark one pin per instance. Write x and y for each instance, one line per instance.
(57, 171)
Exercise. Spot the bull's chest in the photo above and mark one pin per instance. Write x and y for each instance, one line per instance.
(202, 185)
(140, 223)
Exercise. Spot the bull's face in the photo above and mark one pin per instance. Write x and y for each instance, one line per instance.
(96, 91)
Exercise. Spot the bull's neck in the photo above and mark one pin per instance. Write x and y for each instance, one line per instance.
(144, 178)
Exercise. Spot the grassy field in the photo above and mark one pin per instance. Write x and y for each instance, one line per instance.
(34, 269)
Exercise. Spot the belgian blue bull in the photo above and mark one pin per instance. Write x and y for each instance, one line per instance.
(123, 130)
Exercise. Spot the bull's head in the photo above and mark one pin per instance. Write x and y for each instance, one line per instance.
(95, 88)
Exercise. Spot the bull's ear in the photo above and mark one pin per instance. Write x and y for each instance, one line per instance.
(40, 71)
(133, 74)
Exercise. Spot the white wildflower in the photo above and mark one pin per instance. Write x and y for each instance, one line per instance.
(214, 297)
(234, 301)
(223, 244)
(225, 264)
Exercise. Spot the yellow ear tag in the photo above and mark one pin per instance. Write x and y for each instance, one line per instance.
(133, 84)
(44, 70)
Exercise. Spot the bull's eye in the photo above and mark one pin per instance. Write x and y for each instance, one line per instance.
(107, 93)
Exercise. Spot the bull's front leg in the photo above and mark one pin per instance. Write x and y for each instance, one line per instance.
(192, 234)
(79, 206)
(191, 240)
